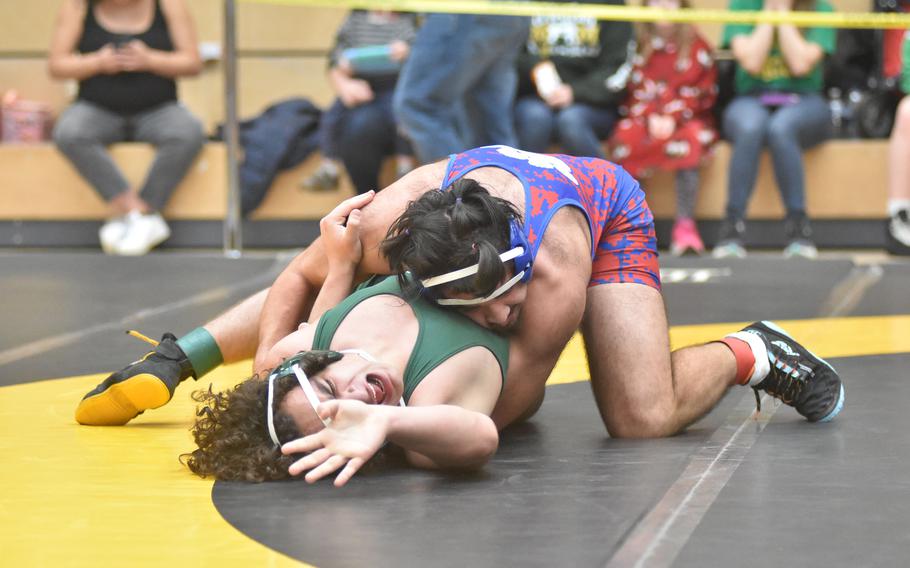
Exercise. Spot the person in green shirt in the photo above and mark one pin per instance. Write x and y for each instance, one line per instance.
(778, 105)
(373, 367)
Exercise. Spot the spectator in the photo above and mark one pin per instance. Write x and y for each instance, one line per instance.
(667, 122)
(359, 128)
(778, 104)
(460, 64)
(126, 55)
(571, 80)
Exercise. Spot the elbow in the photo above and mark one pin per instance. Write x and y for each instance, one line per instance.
(751, 66)
(54, 70)
(482, 447)
(486, 443)
(194, 65)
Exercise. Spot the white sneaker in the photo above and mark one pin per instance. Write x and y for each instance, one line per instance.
(111, 232)
(900, 227)
(143, 233)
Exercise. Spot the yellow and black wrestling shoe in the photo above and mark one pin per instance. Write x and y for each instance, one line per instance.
(144, 384)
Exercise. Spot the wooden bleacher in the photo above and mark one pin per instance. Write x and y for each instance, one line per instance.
(282, 54)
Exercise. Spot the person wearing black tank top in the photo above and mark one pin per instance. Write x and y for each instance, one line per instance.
(126, 56)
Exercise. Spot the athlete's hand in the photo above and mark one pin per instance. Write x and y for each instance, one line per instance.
(356, 432)
(340, 231)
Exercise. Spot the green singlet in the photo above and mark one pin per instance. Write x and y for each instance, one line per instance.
(443, 333)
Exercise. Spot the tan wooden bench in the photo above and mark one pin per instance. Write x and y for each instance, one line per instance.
(845, 179)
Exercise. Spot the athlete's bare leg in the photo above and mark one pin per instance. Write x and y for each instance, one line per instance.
(236, 331)
(640, 389)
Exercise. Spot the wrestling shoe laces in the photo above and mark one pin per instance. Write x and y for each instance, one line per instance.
(797, 377)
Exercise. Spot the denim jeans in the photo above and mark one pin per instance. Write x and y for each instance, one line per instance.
(786, 131)
(578, 128)
(84, 130)
(363, 135)
(459, 63)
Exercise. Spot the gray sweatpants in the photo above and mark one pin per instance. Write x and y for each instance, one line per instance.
(84, 130)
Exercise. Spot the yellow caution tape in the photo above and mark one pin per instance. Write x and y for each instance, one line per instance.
(623, 13)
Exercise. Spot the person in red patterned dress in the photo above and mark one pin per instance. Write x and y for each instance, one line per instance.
(667, 122)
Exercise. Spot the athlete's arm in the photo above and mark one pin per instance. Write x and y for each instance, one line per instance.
(447, 424)
(291, 297)
(551, 315)
(340, 233)
(449, 436)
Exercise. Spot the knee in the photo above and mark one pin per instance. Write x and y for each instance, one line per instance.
(532, 111)
(68, 133)
(781, 134)
(191, 136)
(574, 129)
(185, 137)
(741, 129)
(739, 124)
(640, 422)
(364, 121)
(571, 119)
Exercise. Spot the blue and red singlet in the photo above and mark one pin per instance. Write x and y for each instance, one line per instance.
(622, 228)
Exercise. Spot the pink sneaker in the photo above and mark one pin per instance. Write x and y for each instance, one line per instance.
(685, 238)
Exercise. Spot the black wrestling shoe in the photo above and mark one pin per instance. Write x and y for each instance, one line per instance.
(797, 377)
(147, 383)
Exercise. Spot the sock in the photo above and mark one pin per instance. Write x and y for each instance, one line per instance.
(202, 351)
(752, 365)
(896, 205)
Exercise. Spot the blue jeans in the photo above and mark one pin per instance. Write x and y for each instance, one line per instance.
(786, 131)
(459, 63)
(577, 128)
(363, 136)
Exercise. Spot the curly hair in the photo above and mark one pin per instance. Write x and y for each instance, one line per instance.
(231, 431)
(449, 229)
(232, 437)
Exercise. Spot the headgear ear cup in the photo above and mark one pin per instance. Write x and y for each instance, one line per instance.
(517, 238)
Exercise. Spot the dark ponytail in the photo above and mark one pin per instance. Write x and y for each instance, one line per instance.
(448, 229)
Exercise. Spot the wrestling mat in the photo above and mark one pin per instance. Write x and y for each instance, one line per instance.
(737, 488)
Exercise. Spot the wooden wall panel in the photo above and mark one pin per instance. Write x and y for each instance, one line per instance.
(281, 28)
(844, 180)
(268, 79)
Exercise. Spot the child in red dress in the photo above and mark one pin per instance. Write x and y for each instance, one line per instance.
(667, 122)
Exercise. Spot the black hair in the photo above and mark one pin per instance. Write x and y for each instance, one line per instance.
(448, 229)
